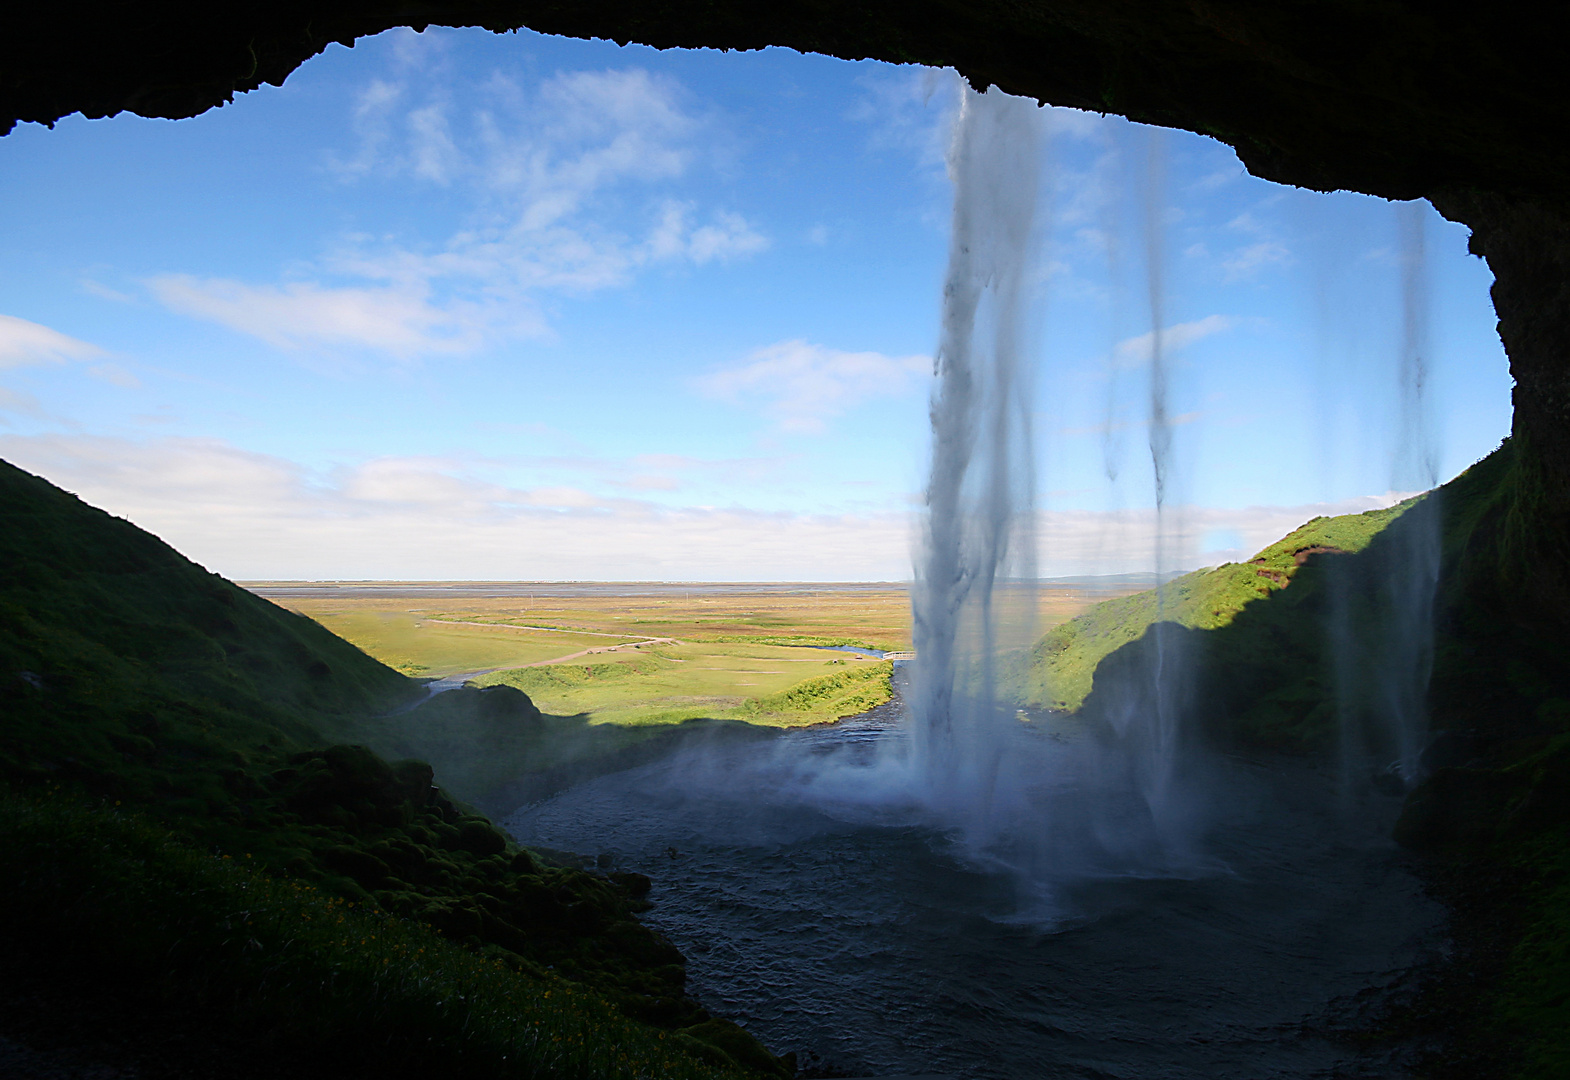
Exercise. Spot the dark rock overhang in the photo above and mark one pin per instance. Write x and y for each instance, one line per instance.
(1395, 98)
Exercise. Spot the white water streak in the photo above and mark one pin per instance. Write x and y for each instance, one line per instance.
(978, 526)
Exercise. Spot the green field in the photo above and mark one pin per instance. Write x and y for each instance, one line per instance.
(767, 684)
(453, 645)
(642, 655)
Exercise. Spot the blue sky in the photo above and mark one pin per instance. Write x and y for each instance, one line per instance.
(456, 305)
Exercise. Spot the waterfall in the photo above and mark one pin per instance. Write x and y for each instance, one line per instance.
(1411, 586)
(1010, 798)
(1381, 620)
(1163, 719)
(977, 534)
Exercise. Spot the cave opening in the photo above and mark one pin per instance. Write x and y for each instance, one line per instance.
(1465, 135)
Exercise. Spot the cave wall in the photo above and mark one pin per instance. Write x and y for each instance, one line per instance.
(1465, 104)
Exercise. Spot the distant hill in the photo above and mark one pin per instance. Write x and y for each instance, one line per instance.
(1063, 663)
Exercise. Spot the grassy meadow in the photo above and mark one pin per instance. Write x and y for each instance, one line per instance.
(451, 645)
(1062, 665)
(691, 680)
(641, 654)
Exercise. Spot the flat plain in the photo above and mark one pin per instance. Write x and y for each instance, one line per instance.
(635, 653)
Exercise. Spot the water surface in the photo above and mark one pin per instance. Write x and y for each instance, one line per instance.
(872, 943)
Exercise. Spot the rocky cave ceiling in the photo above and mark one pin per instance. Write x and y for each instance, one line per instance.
(1389, 97)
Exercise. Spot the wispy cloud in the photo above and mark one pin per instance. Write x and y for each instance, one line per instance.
(23, 343)
(727, 236)
(1266, 251)
(103, 292)
(115, 375)
(803, 385)
(399, 320)
(252, 515)
(1250, 260)
(1133, 351)
(18, 403)
(910, 110)
(549, 172)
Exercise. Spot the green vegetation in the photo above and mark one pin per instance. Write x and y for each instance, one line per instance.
(1252, 644)
(1529, 1006)
(297, 967)
(781, 615)
(777, 685)
(498, 751)
(828, 697)
(793, 639)
(438, 647)
(133, 678)
(1062, 665)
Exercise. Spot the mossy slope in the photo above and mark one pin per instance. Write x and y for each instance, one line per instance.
(119, 657)
(132, 678)
(307, 981)
(1256, 667)
(1062, 664)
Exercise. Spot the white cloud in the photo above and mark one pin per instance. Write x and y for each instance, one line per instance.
(1131, 352)
(1076, 124)
(435, 157)
(16, 402)
(23, 343)
(728, 237)
(910, 110)
(251, 515)
(802, 384)
(543, 150)
(556, 177)
(1248, 261)
(115, 374)
(103, 292)
(400, 320)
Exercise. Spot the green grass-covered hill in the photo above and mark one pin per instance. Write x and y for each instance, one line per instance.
(1250, 657)
(1063, 663)
(192, 809)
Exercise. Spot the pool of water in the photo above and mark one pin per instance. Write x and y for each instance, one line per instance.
(872, 942)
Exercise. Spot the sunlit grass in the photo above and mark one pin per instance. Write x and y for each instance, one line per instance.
(1061, 667)
(671, 683)
(878, 618)
(420, 645)
(717, 655)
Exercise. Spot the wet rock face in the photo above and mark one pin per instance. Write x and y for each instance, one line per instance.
(1467, 104)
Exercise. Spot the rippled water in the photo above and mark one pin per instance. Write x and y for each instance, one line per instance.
(871, 943)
